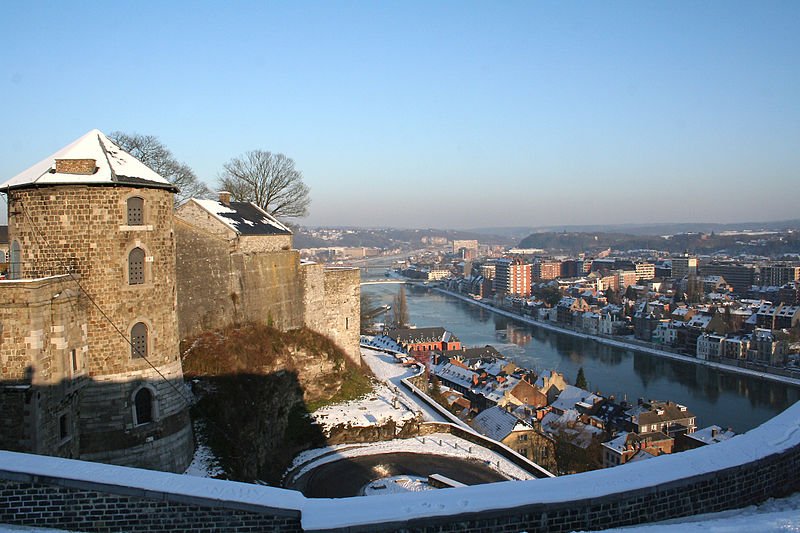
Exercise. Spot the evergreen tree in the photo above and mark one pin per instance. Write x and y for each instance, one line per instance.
(580, 381)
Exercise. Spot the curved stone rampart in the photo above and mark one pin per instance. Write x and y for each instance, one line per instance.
(747, 469)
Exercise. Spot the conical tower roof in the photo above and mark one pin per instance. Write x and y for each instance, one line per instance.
(113, 166)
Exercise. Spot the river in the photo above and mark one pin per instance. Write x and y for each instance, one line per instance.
(714, 396)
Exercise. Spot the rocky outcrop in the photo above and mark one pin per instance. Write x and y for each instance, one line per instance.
(256, 386)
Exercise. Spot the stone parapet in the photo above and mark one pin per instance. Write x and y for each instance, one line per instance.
(745, 470)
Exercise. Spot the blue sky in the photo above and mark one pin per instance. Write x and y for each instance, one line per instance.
(434, 114)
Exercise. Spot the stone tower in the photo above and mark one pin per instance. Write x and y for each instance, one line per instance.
(94, 213)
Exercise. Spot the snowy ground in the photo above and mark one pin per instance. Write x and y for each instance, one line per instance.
(773, 516)
(436, 444)
(389, 370)
(204, 463)
(396, 484)
(378, 407)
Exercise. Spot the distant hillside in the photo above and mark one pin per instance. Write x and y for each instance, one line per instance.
(774, 244)
(257, 385)
(389, 237)
(647, 229)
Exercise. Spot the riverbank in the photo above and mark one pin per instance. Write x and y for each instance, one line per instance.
(622, 344)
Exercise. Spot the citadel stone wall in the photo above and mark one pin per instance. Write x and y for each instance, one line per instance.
(265, 243)
(204, 271)
(342, 308)
(83, 230)
(219, 284)
(43, 349)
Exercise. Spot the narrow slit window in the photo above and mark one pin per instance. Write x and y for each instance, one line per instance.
(139, 340)
(136, 267)
(135, 211)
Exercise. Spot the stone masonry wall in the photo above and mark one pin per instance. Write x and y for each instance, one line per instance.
(42, 328)
(264, 243)
(84, 229)
(269, 288)
(219, 285)
(199, 218)
(313, 280)
(342, 310)
(204, 271)
(39, 502)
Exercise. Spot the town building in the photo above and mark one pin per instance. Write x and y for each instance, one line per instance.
(703, 437)
(668, 417)
(512, 277)
(424, 339)
(545, 270)
(683, 266)
(645, 271)
(778, 274)
(627, 447)
(739, 277)
(498, 424)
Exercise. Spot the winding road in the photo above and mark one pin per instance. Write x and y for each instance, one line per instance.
(347, 477)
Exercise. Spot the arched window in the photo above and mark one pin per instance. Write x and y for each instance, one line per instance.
(143, 406)
(136, 267)
(139, 340)
(15, 268)
(135, 211)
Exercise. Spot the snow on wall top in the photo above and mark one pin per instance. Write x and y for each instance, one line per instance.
(114, 166)
(774, 436)
(777, 435)
(245, 218)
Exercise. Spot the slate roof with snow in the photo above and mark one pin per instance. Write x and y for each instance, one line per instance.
(711, 435)
(495, 391)
(244, 218)
(114, 166)
(573, 396)
(569, 423)
(455, 374)
(416, 335)
(497, 423)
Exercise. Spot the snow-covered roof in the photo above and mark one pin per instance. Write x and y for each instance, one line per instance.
(497, 423)
(455, 374)
(711, 435)
(641, 455)
(244, 218)
(569, 423)
(113, 166)
(495, 391)
(572, 396)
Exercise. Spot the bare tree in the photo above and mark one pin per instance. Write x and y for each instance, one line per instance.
(152, 152)
(268, 180)
(400, 309)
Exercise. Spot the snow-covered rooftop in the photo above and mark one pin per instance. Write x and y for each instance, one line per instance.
(113, 166)
(244, 218)
(572, 396)
(497, 423)
(711, 435)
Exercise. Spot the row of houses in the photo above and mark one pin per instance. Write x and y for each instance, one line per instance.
(543, 417)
